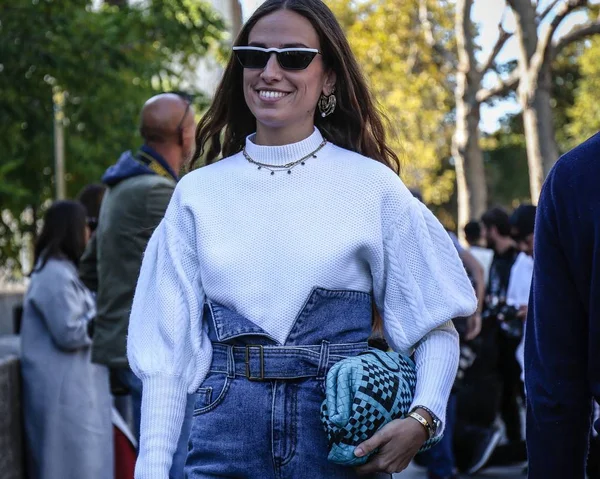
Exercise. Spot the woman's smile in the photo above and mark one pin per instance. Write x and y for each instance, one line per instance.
(271, 96)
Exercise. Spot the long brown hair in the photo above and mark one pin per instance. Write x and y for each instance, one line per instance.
(355, 124)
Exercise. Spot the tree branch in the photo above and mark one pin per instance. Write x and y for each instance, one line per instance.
(426, 23)
(464, 37)
(413, 55)
(429, 36)
(575, 35)
(502, 38)
(545, 40)
(542, 15)
(501, 89)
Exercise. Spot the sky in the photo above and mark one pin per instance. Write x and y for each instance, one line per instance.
(487, 14)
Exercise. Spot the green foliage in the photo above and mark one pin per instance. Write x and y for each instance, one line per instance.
(505, 158)
(410, 82)
(567, 76)
(584, 114)
(106, 62)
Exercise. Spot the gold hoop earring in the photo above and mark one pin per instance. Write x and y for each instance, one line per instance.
(327, 104)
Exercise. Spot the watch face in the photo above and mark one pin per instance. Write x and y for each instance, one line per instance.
(437, 424)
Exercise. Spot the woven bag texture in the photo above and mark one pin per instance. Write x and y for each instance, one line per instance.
(363, 394)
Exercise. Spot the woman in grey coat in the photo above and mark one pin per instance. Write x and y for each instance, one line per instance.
(67, 406)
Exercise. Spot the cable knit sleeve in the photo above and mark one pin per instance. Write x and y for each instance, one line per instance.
(167, 346)
(421, 286)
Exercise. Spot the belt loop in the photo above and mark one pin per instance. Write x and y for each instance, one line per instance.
(323, 360)
(261, 364)
(230, 363)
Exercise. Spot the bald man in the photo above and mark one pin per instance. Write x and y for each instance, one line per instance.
(140, 186)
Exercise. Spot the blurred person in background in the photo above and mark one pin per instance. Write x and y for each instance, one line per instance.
(512, 317)
(522, 225)
(440, 460)
(91, 198)
(491, 384)
(139, 188)
(498, 237)
(475, 272)
(67, 412)
(562, 338)
(474, 234)
(125, 444)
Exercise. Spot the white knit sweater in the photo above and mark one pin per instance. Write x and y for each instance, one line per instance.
(259, 243)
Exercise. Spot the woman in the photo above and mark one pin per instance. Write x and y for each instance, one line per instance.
(67, 418)
(263, 271)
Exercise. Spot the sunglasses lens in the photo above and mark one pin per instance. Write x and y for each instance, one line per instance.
(252, 58)
(295, 60)
(288, 60)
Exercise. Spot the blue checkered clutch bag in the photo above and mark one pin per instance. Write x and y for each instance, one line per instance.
(364, 393)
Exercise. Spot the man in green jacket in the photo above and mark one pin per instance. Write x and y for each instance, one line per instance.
(140, 186)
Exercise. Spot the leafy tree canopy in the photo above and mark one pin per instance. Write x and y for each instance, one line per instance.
(104, 62)
(411, 84)
(584, 114)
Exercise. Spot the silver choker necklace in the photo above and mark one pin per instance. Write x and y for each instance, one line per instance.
(288, 166)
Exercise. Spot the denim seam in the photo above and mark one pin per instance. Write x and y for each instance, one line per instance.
(276, 468)
(292, 433)
(219, 400)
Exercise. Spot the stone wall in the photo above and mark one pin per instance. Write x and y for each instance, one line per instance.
(8, 302)
(11, 431)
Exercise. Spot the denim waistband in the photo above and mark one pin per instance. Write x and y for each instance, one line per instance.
(257, 363)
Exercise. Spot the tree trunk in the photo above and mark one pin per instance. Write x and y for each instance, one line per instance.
(542, 151)
(470, 173)
(534, 97)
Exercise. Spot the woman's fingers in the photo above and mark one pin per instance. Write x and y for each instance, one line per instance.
(370, 445)
(397, 442)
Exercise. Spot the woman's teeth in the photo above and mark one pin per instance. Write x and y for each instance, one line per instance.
(271, 94)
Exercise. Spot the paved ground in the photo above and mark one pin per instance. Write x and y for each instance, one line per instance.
(414, 472)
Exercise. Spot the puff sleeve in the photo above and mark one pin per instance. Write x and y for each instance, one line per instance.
(167, 347)
(419, 288)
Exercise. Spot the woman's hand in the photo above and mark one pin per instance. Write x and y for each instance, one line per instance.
(398, 442)
(473, 326)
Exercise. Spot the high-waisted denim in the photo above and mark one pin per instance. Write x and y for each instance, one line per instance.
(256, 414)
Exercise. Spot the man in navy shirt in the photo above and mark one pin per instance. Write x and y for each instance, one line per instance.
(562, 345)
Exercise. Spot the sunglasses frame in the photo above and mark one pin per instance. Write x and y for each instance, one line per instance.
(277, 51)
